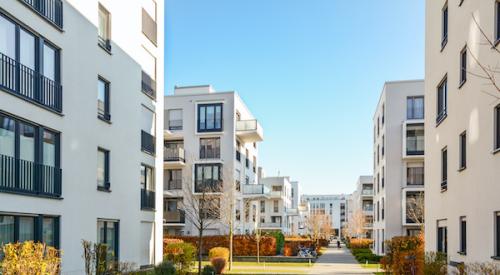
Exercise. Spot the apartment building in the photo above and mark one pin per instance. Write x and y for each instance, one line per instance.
(398, 161)
(303, 215)
(211, 141)
(80, 90)
(360, 207)
(462, 130)
(332, 205)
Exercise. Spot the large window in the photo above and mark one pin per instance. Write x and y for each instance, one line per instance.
(104, 28)
(147, 187)
(463, 66)
(108, 234)
(148, 130)
(103, 169)
(414, 139)
(208, 178)
(174, 179)
(174, 119)
(210, 117)
(24, 149)
(39, 228)
(442, 239)
(463, 235)
(30, 65)
(149, 28)
(415, 107)
(444, 33)
(209, 148)
(444, 169)
(103, 99)
(497, 127)
(415, 174)
(148, 62)
(463, 151)
(275, 206)
(442, 98)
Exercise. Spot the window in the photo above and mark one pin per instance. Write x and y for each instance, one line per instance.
(107, 233)
(415, 107)
(463, 151)
(209, 148)
(262, 206)
(174, 179)
(442, 104)
(19, 228)
(175, 119)
(378, 126)
(444, 35)
(148, 63)
(442, 239)
(103, 99)
(210, 117)
(497, 234)
(463, 235)
(383, 146)
(463, 66)
(383, 176)
(211, 208)
(208, 178)
(415, 139)
(37, 61)
(147, 187)
(383, 208)
(149, 28)
(238, 153)
(30, 158)
(148, 130)
(103, 169)
(247, 159)
(52, 11)
(275, 206)
(104, 28)
(254, 164)
(413, 200)
(247, 180)
(383, 114)
(174, 151)
(444, 169)
(497, 128)
(237, 177)
(415, 174)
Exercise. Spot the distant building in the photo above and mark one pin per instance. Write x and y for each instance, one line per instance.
(332, 205)
(360, 203)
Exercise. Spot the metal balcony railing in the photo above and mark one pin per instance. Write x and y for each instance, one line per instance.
(174, 185)
(22, 176)
(29, 84)
(52, 10)
(367, 192)
(175, 124)
(148, 142)
(176, 216)
(173, 154)
(148, 85)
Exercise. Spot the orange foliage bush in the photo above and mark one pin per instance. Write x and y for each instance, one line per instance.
(243, 245)
(292, 245)
(404, 254)
(360, 243)
(167, 241)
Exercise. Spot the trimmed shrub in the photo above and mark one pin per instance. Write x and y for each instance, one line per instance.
(243, 245)
(280, 241)
(181, 255)
(404, 255)
(208, 270)
(360, 243)
(323, 242)
(219, 264)
(164, 268)
(29, 258)
(219, 252)
(293, 245)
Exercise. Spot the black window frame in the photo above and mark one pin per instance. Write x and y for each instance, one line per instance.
(410, 101)
(38, 226)
(107, 183)
(463, 67)
(215, 186)
(442, 100)
(221, 121)
(442, 239)
(53, 14)
(497, 235)
(497, 18)
(444, 25)
(42, 85)
(444, 169)
(496, 147)
(148, 195)
(215, 152)
(463, 236)
(116, 224)
(462, 151)
(106, 113)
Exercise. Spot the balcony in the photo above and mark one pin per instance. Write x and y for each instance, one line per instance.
(50, 10)
(174, 158)
(148, 85)
(174, 218)
(270, 225)
(249, 130)
(173, 185)
(413, 145)
(367, 192)
(148, 143)
(175, 125)
(208, 186)
(255, 190)
(147, 199)
(29, 84)
(30, 178)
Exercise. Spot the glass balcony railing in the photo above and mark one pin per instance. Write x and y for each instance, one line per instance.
(174, 154)
(255, 189)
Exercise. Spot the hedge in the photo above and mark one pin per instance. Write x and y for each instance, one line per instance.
(360, 243)
(292, 246)
(404, 254)
(243, 245)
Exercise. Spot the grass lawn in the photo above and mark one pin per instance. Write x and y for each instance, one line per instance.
(371, 266)
(263, 268)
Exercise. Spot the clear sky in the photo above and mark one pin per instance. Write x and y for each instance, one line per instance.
(311, 71)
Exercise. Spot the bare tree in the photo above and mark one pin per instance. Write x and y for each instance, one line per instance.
(319, 226)
(356, 224)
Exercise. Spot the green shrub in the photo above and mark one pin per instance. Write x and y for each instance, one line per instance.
(360, 250)
(208, 270)
(219, 252)
(435, 263)
(182, 255)
(164, 268)
(280, 241)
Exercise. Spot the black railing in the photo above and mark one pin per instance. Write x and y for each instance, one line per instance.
(209, 153)
(104, 43)
(175, 124)
(27, 83)
(148, 85)
(176, 216)
(22, 176)
(147, 143)
(208, 186)
(52, 10)
(174, 184)
(148, 199)
(444, 185)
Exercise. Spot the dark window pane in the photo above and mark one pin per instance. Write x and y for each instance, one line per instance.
(26, 229)
(48, 231)
(6, 229)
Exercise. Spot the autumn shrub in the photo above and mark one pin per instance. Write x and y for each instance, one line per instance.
(323, 242)
(360, 243)
(182, 255)
(287, 251)
(167, 241)
(219, 252)
(482, 268)
(29, 258)
(219, 264)
(208, 270)
(404, 255)
(280, 240)
(243, 245)
(435, 263)
(293, 245)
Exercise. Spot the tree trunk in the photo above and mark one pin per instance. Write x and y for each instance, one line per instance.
(200, 241)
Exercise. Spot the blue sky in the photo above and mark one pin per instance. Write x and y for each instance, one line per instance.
(311, 71)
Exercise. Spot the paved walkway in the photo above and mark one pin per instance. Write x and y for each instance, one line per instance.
(338, 261)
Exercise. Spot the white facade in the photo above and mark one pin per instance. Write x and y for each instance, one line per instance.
(51, 133)
(209, 137)
(332, 205)
(462, 139)
(360, 204)
(304, 212)
(398, 158)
